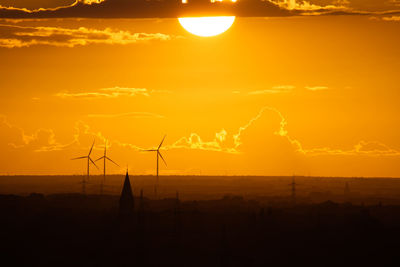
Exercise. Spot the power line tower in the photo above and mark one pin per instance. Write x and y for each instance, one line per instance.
(347, 191)
(347, 188)
(83, 182)
(293, 184)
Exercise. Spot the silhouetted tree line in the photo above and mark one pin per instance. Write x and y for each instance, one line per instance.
(78, 230)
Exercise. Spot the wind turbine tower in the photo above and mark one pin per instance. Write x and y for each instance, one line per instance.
(104, 158)
(89, 160)
(158, 156)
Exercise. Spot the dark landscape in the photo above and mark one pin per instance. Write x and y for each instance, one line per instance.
(203, 221)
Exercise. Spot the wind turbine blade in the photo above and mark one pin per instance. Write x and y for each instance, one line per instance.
(162, 158)
(147, 150)
(84, 157)
(93, 162)
(100, 158)
(90, 152)
(162, 141)
(112, 161)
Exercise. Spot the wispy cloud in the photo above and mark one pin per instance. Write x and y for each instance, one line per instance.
(316, 88)
(13, 36)
(392, 18)
(362, 148)
(112, 92)
(38, 10)
(126, 91)
(274, 90)
(194, 141)
(225, 142)
(128, 114)
(89, 2)
(44, 140)
(302, 5)
(16, 137)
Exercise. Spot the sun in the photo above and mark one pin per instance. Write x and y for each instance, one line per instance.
(207, 26)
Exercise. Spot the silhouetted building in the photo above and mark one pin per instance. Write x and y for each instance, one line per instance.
(126, 201)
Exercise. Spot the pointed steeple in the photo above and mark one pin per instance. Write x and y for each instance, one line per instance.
(126, 201)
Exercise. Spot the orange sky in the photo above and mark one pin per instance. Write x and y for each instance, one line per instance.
(271, 96)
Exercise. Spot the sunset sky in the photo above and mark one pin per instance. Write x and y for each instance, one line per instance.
(306, 88)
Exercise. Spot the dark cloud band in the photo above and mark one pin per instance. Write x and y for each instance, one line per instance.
(151, 9)
(175, 8)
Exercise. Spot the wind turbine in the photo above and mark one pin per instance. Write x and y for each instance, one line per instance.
(89, 159)
(105, 158)
(158, 156)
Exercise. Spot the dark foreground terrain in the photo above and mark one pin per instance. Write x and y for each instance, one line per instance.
(78, 230)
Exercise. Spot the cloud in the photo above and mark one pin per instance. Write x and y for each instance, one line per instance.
(113, 92)
(48, 9)
(125, 91)
(168, 9)
(285, 89)
(232, 142)
(392, 18)
(194, 141)
(316, 88)
(236, 137)
(274, 90)
(221, 136)
(13, 36)
(175, 8)
(275, 138)
(307, 5)
(275, 134)
(362, 148)
(144, 115)
(89, 2)
(14, 137)
(146, 9)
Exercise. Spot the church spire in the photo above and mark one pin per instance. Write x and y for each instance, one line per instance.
(126, 201)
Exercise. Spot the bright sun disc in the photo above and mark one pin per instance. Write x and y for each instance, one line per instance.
(207, 26)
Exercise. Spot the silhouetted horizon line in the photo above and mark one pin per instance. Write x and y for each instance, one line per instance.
(201, 175)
